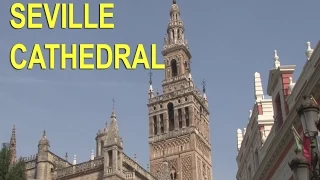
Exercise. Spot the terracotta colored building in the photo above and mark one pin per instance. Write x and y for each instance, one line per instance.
(267, 145)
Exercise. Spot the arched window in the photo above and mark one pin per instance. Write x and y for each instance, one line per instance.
(155, 125)
(101, 147)
(110, 158)
(180, 117)
(171, 116)
(173, 174)
(174, 69)
(186, 109)
(161, 123)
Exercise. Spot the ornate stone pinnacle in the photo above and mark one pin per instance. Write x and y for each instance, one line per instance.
(203, 86)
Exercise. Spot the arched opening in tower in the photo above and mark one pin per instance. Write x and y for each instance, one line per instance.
(174, 68)
(173, 174)
(171, 116)
(155, 125)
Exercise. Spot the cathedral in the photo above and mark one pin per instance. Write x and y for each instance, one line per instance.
(179, 134)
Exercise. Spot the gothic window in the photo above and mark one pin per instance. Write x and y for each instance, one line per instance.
(180, 118)
(173, 174)
(155, 125)
(101, 147)
(172, 34)
(110, 157)
(171, 116)
(161, 123)
(179, 33)
(118, 156)
(174, 68)
(187, 116)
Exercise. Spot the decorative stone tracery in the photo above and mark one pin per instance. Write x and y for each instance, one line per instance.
(203, 147)
(186, 168)
(199, 167)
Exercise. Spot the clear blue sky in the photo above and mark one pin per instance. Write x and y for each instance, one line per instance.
(229, 41)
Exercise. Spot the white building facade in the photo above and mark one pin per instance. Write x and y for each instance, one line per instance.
(266, 145)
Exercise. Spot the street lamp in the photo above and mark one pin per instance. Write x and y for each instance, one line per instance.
(300, 166)
(308, 112)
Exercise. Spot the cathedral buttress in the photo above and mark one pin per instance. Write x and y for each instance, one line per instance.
(179, 135)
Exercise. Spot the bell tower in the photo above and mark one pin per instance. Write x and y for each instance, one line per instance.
(179, 134)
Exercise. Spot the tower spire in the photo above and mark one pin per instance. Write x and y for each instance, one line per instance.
(113, 102)
(175, 29)
(151, 94)
(204, 89)
(13, 144)
(113, 137)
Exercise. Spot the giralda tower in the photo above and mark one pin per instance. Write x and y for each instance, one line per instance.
(179, 134)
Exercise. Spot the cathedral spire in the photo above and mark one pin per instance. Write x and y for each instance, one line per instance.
(13, 144)
(175, 29)
(113, 137)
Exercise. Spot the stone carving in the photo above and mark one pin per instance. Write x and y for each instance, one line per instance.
(30, 164)
(209, 173)
(199, 167)
(180, 33)
(186, 168)
(173, 163)
(202, 147)
(165, 39)
(58, 163)
(156, 171)
(80, 168)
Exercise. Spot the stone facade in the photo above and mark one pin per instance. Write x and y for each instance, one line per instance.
(179, 135)
(267, 145)
(109, 162)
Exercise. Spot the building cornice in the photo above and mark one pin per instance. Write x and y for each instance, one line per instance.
(274, 75)
(177, 47)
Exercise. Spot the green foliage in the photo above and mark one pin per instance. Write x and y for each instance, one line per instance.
(7, 172)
